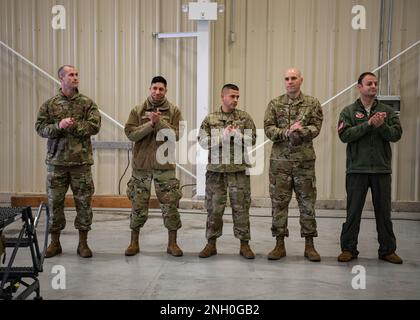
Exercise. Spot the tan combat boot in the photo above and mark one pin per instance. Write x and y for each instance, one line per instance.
(133, 248)
(346, 256)
(310, 251)
(55, 247)
(173, 248)
(83, 249)
(246, 251)
(392, 258)
(209, 250)
(279, 250)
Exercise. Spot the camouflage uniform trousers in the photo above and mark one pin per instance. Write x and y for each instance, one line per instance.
(217, 185)
(286, 176)
(79, 178)
(168, 192)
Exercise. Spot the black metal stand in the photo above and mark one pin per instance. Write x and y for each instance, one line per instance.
(11, 276)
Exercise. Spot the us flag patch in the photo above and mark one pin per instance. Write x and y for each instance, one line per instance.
(340, 126)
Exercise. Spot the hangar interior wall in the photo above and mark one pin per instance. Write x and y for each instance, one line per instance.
(112, 45)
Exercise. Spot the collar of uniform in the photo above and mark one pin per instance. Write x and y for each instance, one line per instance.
(64, 96)
(226, 115)
(362, 107)
(288, 101)
(164, 105)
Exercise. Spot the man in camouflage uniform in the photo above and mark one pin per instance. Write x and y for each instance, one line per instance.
(68, 120)
(150, 125)
(292, 121)
(226, 133)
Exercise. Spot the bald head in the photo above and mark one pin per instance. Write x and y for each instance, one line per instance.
(292, 81)
(293, 71)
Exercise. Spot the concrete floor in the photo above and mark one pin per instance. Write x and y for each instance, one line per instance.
(153, 274)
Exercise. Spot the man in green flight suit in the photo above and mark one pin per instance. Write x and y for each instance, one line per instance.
(368, 126)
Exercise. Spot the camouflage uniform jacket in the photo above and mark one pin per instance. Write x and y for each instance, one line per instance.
(211, 138)
(71, 146)
(140, 130)
(368, 148)
(282, 112)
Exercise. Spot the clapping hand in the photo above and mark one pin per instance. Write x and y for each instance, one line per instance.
(377, 119)
(155, 116)
(294, 134)
(296, 126)
(65, 123)
(230, 131)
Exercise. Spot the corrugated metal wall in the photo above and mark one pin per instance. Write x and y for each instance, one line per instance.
(111, 43)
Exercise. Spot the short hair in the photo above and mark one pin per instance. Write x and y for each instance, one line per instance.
(364, 75)
(159, 79)
(230, 86)
(61, 69)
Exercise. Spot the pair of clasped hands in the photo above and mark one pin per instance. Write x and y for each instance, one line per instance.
(66, 123)
(154, 117)
(294, 134)
(296, 126)
(377, 119)
(230, 131)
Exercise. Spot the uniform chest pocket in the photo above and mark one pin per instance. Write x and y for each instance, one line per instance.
(78, 112)
(240, 124)
(165, 118)
(282, 118)
(57, 113)
(301, 113)
(218, 124)
(143, 119)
